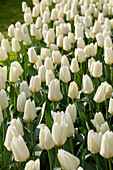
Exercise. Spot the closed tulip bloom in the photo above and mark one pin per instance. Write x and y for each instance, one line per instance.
(60, 41)
(78, 32)
(98, 119)
(18, 34)
(1, 116)
(3, 100)
(74, 66)
(3, 54)
(107, 145)
(54, 93)
(14, 74)
(80, 55)
(102, 128)
(108, 56)
(29, 111)
(2, 82)
(94, 141)
(35, 83)
(64, 74)
(110, 109)
(38, 62)
(67, 160)
(19, 149)
(87, 84)
(87, 51)
(24, 88)
(93, 48)
(108, 42)
(97, 27)
(59, 133)
(100, 40)
(18, 66)
(24, 29)
(24, 6)
(45, 52)
(33, 165)
(46, 17)
(49, 38)
(66, 44)
(38, 35)
(15, 45)
(38, 22)
(35, 11)
(21, 102)
(28, 18)
(49, 77)
(73, 90)
(33, 30)
(45, 139)
(3, 72)
(56, 56)
(26, 39)
(17, 123)
(5, 45)
(103, 92)
(1, 37)
(32, 55)
(64, 61)
(80, 43)
(48, 63)
(70, 127)
(71, 109)
(54, 14)
(71, 37)
(42, 73)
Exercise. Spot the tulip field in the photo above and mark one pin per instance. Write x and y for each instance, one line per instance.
(56, 87)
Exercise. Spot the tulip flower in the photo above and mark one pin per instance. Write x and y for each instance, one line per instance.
(48, 63)
(3, 54)
(15, 45)
(38, 22)
(98, 119)
(56, 56)
(26, 39)
(35, 83)
(21, 102)
(71, 109)
(108, 56)
(100, 40)
(78, 32)
(110, 109)
(19, 149)
(66, 44)
(24, 88)
(60, 40)
(38, 63)
(11, 31)
(94, 141)
(64, 74)
(64, 61)
(5, 44)
(108, 42)
(42, 73)
(28, 18)
(33, 165)
(80, 43)
(14, 74)
(80, 55)
(74, 66)
(3, 100)
(87, 84)
(24, 29)
(49, 77)
(54, 14)
(32, 55)
(67, 160)
(73, 90)
(2, 82)
(54, 93)
(45, 52)
(3, 72)
(18, 34)
(1, 116)
(18, 66)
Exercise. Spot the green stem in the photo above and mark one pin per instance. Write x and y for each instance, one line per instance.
(71, 145)
(97, 161)
(15, 165)
(75, 77)
(98, 107)
(54, 109)
(32, 140)
(49, 160)
(67, 93)
(89, 105)
(4, 126)
(110, 166)
(34, 96)
(106, 110)
(2, 159)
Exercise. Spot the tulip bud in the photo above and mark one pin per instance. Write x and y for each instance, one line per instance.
(100, 40)
(66, 44)
(18, 34)
(94, 141)
(97, 27)
(3, 54)
(24, 6)
(80, 43)
(93, 48)
(3, 100)
(26, 39)
(42, 73)
(33, 30)
(28, 18)
(56, 56)
(54, 14)
(59, 31)
(45, 139)
(24, 88)
(73, 90)
(24, 29)
(14, 74)
(35, 11)
(29, 111)
(1, 116)
(60, 41)
(80, 55)
(39, 22)
(71, 37)
(38, 35)
(48, 63)
(107, 42)
(64, 61)
(38, 63)
(15, 45)
(78, 32)
(49, 77)
(87, 51)
(87, 84)
(32, 55)
(103, 92)
(74, 66)
(19, 149)
(108, 56)
(64, 74)
(33, 165)
(3, 72)
(72, 111)
(67, 160)
(18, 66)
(106, 145)
(46, 17)
(21, 102)
(49, 38)
(1, 37)
(103, 128)
(5, 45)
(53, 47)
(35, 83)
(54, 93)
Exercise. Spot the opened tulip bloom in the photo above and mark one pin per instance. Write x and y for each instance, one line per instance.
(33, 165)
(24, 88)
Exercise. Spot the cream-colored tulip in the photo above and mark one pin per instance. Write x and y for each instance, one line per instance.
(21, 102)
(3, 100)
(108, 56)
(26, 39)
(18, 34)
(71, 37)
(70, 127)
(73, 90)
(45, 52)
(66, 43)
(56, 56)
(28, 18)
(3, 54)
(49, 77)
(48, 63)
(18, 66)
(80, 55)
(67, 160)
(108, 42)
(46, 17)
(5, 44)
(64, 61)
(94, 141)
(54, 14)
(24, 29)
(35, 11)
(54, 93)
(3, 72)
(2, 82)
(72, 110)
(74, 66)
(38, 63)
(33, 165)
(42, 73)
(1, 116)
(110, 109)
(87, 84)
(35, 83)
(14, 74)
(32, 55)
(100, 40)
(29, 111)
(64, 74)
(38, 22)
(97, 27)
(98, 119)
(80, 43)
(19, 149)
(24, 88)
(78, 32)
(60, 41)
(15, 45)
(45, 139)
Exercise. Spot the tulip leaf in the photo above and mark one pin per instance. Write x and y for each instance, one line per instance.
(7, 155)
(42, 112)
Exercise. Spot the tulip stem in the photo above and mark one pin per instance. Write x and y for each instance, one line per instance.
(54, 109)
(2, 155)
(67, 93)
(111, 74)
(71, 145)
(89, 105)
(110, 166)
(49, 160)
(98, 107)
(97, 161)
(34, 96)
(106, 111)
(32, 140)
(75, 77)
